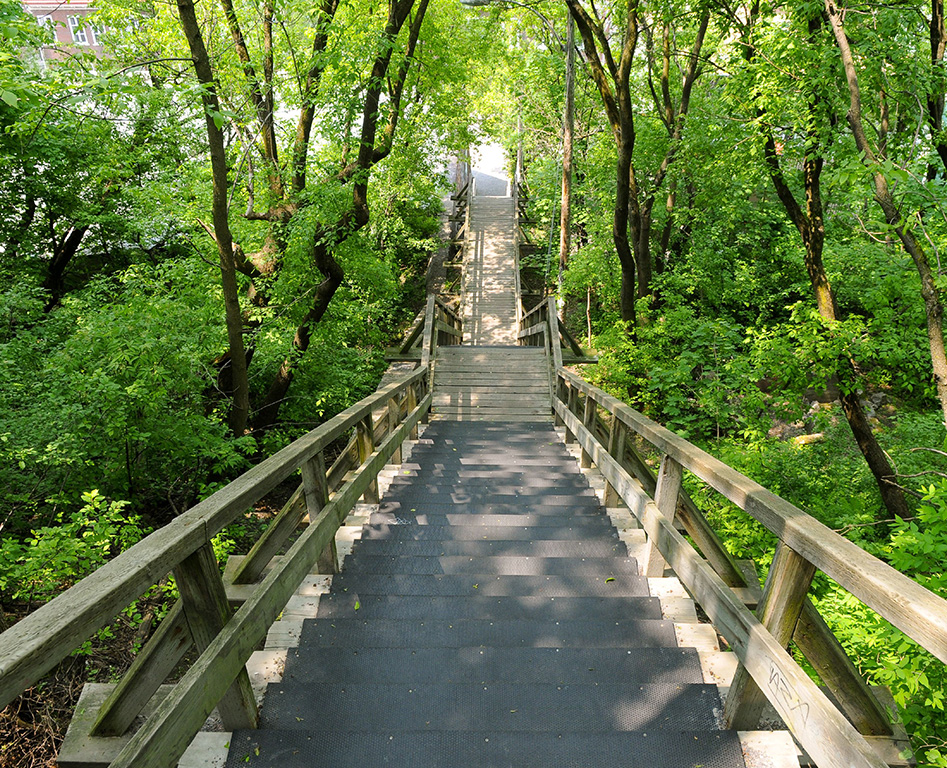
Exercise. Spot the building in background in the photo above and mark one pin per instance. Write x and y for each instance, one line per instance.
(71, 24)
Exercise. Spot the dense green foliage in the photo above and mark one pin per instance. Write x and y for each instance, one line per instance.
(114, 358)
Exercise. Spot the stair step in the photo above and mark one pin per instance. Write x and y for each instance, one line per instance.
(501, 707)
(408, 515)
(487, 749)
(500, 533)
(578, 584)
(349, 605)
(498, 565)
(603, 548)
(562, 666)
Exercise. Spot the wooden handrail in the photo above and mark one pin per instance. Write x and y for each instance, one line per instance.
(41, 640)
(910, 607)
(766, 671)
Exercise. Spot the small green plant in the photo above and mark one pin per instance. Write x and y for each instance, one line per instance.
(55, 557)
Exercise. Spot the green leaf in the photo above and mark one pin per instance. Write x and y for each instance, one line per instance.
(9, 98)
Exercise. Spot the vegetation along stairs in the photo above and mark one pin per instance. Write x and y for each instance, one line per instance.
(490, 615)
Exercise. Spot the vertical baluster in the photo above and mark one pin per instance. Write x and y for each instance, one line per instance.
(616, 447)
(366, 446)
(411, 402)
(666, 494)
(394, 419)
(786, 586)
(316, 491)
(572, 403)
(589, 416)
(206, 611)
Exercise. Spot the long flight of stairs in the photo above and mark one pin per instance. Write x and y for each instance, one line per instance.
(489, 616)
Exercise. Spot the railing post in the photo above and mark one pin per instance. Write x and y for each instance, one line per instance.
(394, 419)
(666, 494)
(616, 447)
(207, 611)
(411, 402)
(571, 403)
(316, 490)
(272, 540)
(151, 667)
(783, 596)
(588, 420)
(366, 446)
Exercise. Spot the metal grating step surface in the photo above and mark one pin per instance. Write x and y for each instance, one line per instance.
(577, 585)
(510, 666)
(500, 533)
(485, 749)
(343, 605)
(581, 549)
(415, 515)
(461, 633)
(498, 707)
(503, 566)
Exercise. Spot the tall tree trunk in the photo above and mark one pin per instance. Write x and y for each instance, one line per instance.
(930, 294)
(810, 222)
(568, 124)
(63, 252)
(240, 408)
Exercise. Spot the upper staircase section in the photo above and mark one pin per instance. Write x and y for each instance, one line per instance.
(489, 303)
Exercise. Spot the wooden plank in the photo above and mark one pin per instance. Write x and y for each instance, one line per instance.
(415, 333)
(824, 652)
(161, 741)
(670, 478)
(207, 611)
(428, 340)
(570, 340)
(448, 329)
(274, 537)
(366, 446)
(151, 667)
(36, 644)
(786, 586)
(616, 447)
(918, 613)
(589, 416)
(533, 330)
(552, 314)
(316, 491)
(821, 729)
(394, 417)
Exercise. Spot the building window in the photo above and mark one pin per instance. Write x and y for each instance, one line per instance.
(78, 31)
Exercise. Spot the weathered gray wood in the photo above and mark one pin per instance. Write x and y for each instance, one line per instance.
(616, 447)
(394, 417)
(366, 446)
(207, 611)
(163, 738)
(668, 490)
(821, 729)
(448, 329)
(411, 402)
(534, 330)
(571, 403)
(554, 330)
(570, 340)
(36, 644)
(151, 667)
(589, 416)
(273, 538)
(414, 334)
(824, 652)
(316, 490)
(914, 610)
(429, 337)
(783, 596)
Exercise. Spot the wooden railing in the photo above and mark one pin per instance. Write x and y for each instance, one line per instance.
(436, 325)
(606, 429)
(854, 729)
(541, 326)
(262, 584)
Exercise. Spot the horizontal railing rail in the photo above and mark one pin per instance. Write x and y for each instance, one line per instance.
(260, 584)
(854, 729)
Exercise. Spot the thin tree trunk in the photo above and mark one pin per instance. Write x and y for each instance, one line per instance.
(240, 408)
(568, 124)
(63, 252)
(933, 306)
